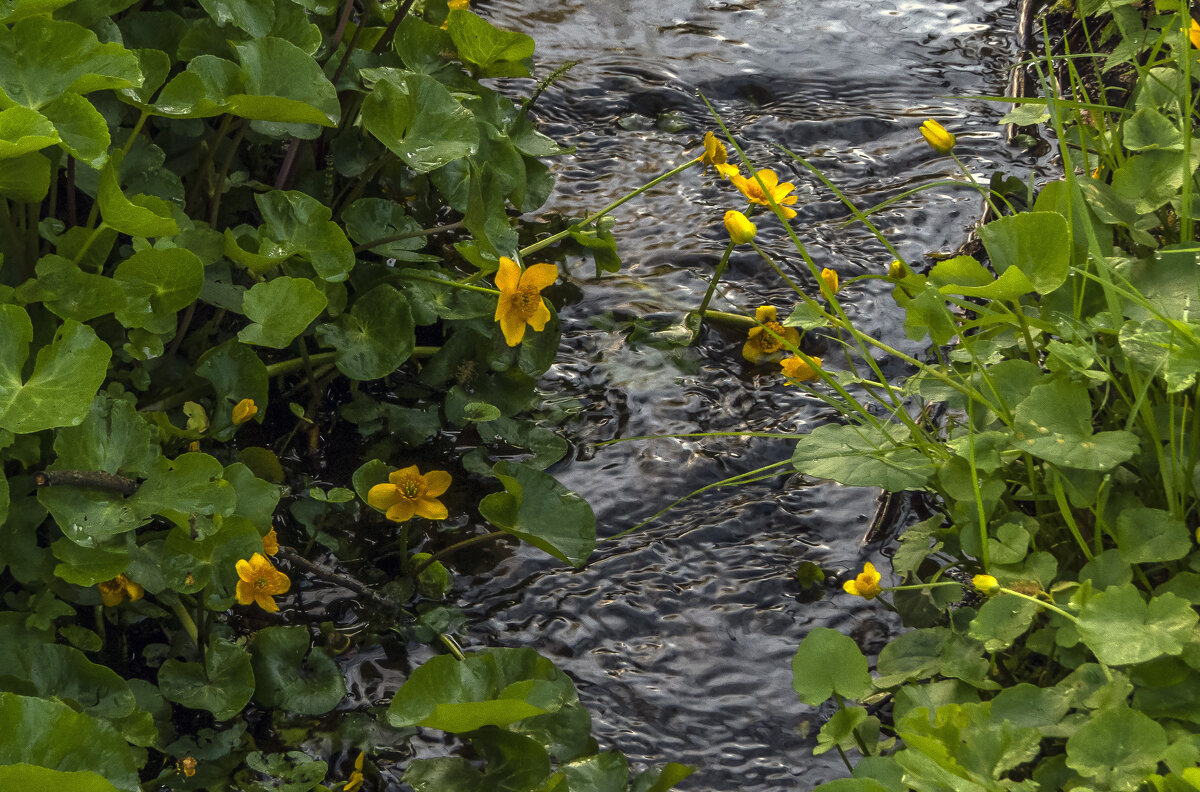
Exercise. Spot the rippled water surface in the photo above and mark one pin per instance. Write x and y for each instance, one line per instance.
(680, 635)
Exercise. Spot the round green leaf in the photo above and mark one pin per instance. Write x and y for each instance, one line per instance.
(280, 309)
(828, 662)
(1146, 535)
(80, 127)
(419, 121)
(1121, 628)
(1001, 621)
(1118, 748)
(23, 130)
(491, 52)
(536, 509)
(65, 377)
(1036, 243)
(1054, 423)
(862, 456)
(41, 59)
(30, 778)
(289, 673)
(143, 215)
(157, 284)
(374, 337)
(223, 685)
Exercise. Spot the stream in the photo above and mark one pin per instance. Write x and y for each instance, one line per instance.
(680, 635)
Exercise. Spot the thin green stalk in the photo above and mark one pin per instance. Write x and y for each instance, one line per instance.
(550, 240)
(722, 265)
(408, 235)
(454, 548)
(1064, 508)
(454, 284)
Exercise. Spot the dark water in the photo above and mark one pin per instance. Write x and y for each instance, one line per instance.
(680, 636)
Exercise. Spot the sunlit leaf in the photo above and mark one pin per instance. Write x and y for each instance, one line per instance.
(829, 663)
(42, 58)
(537, 509)
(419, 121)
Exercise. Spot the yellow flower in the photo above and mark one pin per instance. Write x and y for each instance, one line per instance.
(113, 592)
(714, 151)
(408, 492)
(740, 229)
(243, 411)
(751, 189)
(520, 300)
(937, 137)
(355, 781)
(896, 270)
(829, 280)
(260, 582)
(986, 584)
(866, 584)
(187, 766)
(271, 542)
(761, 345)
(1194, 34)
(796, 370)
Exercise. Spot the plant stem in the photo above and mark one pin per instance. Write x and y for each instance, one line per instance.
(454, 548)
(408, 235)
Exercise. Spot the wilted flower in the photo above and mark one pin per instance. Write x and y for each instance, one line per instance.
(740, 229)
(770, 181)
(187, 766)
(796, 370)
(271, 542)
(937, 137)
(260, 582)
(762, 345)
(866, 584)
(716, 155)
(407, 492)
(829, 279)
(986, 584)
(520, 300)
(243, 411)
(113, 592)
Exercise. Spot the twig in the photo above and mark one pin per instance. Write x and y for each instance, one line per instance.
(345, 581)
(95, 479)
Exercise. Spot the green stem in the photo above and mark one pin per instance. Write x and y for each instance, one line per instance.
(137, 128)
(408, 235)
(454, 548)
(550, 240)
(185, 618)
(453, 284)
(722, 265)
(1042, 603)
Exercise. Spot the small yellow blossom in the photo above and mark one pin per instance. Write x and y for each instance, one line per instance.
(520, 300)
(740, 229)
(756, 194)
(829, 282)
(761, 345)
(260, 582)
(716, 155)
(113, 592)
(937, 137)
(796, 370)
(1194, 34)
(243, 411)
(407, 492)
(355, 781)
(897, 270)
(271, 542)
(986, 584)
(187, 766)
(866, 584)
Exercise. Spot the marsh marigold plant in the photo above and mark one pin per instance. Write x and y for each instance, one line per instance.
(114, 592)
(766, 342)
(797, 370)
(865, 584)
(521, 302)
(260, 582)
(407, 493)
(756, 193)
(937, 137)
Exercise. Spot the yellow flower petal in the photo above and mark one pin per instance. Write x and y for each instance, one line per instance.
(383, 496)
(765, 313)
(539, 276)
(438, 482)
(508, 276)
(243, 411)
(937, 137)
(431, 509)
(401, 510)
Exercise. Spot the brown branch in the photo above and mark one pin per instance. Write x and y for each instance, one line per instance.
(95, 479)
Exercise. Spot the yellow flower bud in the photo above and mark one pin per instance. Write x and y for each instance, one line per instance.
(829, 279)
(986, 585)
(243, 411)
(740, 229)
(937, 137)
(897, 270)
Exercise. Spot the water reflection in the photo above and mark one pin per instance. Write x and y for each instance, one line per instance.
(680, 636)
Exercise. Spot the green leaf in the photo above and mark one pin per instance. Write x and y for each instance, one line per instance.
(826, 663)
(158, 283)
(369, 219)
(1149, 129)
(26, 178)
(23, 130)
(1002, 620)
(1054, 423)
(289, 673)
(419, 121)
(113, 438)
(70, 293)
(64, 674)
(671, 774)
(1035, 243)
(374, 337)
(602, 772)
(1145, 535)
(223, 685)
(30, 778)
(537, 509)
(41, 59)
(256, 499)
(1122, 629)
(143, 215)
(495, 687)
(280, 309)
(48, 734)
(81, 129)
(1118, 748)
(368, 475)
(443, 774)
(298, 224)
(186, 490)
(65, 377)
(1163, 350)
(840, 730)
(862, 456)
(1148, 180)
(294, 771)
(922, 653)
(236, 373)
(966, 276)
(491, 51)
